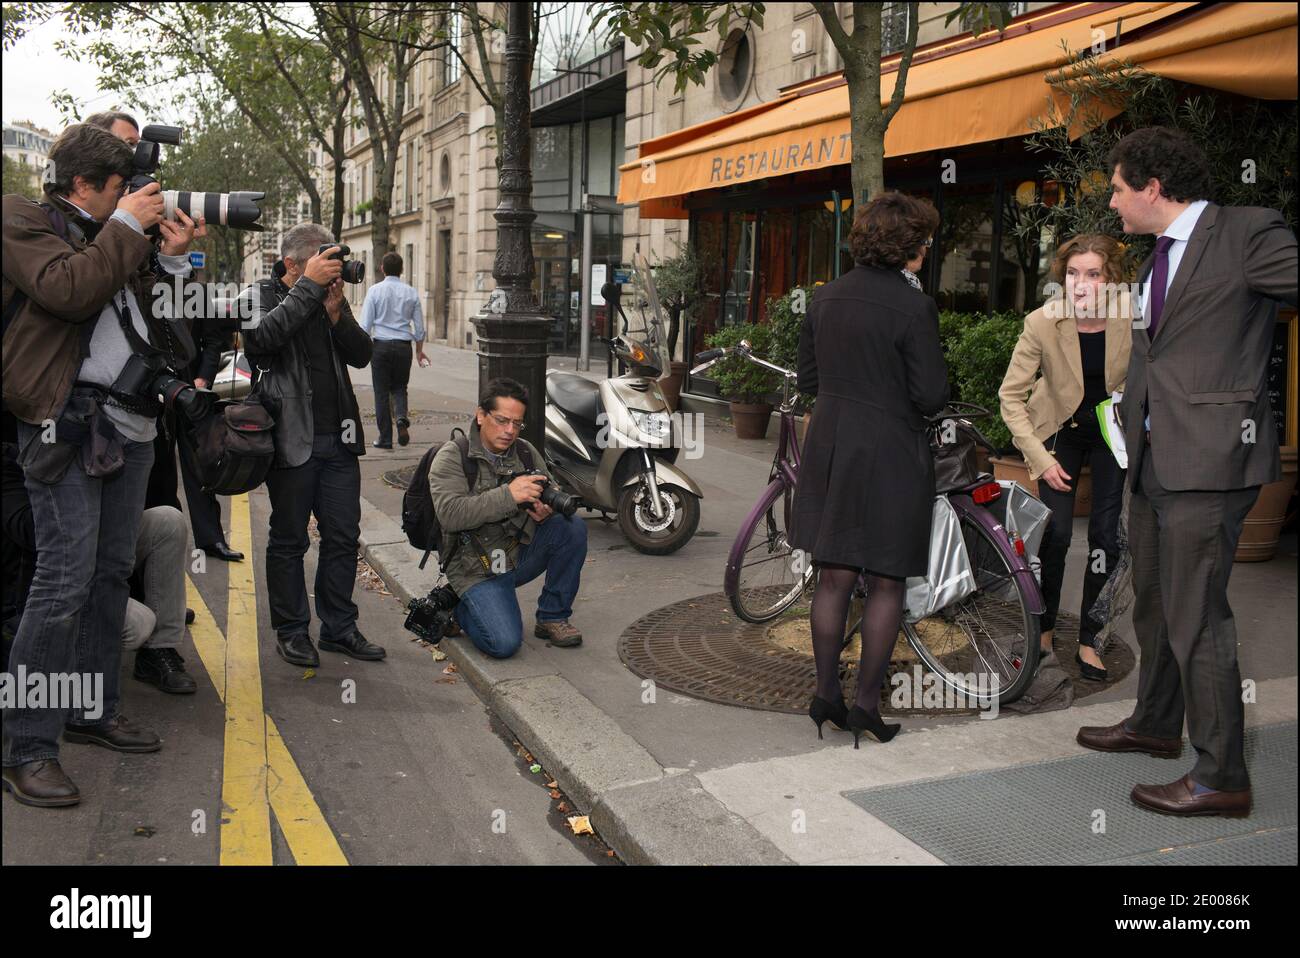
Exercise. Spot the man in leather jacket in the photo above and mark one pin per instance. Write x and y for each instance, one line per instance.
(299, 335)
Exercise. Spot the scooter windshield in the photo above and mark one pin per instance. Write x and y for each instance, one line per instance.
(645, 315)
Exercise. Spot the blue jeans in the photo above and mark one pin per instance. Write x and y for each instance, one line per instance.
(489, 612)
(85, 551)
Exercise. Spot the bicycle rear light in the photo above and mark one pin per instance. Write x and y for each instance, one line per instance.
(986, 493)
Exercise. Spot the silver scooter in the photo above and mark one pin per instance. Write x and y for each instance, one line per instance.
(614, 444)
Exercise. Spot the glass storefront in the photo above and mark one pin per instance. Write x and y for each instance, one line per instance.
(557, 234)
(986, 255)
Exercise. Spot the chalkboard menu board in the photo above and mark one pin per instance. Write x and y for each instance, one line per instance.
(1277, 369)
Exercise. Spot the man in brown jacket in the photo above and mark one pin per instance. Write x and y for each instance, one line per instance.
(78, 309)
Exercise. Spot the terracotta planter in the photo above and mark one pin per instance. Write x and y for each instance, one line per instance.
(750, 420)
(1263, 523)
(671, 385)
(1006, 467)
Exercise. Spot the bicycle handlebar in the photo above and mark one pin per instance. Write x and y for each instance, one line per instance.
(711, 356)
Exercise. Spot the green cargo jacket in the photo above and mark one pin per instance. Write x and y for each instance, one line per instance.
(490, 511)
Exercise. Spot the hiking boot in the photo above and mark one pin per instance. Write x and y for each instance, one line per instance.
(558, 633)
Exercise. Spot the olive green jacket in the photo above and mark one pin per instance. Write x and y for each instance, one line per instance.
(490, 511)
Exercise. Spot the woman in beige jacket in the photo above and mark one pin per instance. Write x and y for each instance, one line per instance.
(1079, 341)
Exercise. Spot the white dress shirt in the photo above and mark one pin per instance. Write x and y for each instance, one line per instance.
(1180, 231)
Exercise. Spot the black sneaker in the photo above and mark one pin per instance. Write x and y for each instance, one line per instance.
(382, 445)
(403, 431)
(165, 670)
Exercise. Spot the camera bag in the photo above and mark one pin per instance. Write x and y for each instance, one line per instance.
(419, 521)
(231, 450)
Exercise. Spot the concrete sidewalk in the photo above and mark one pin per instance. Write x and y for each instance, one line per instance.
(668, 778)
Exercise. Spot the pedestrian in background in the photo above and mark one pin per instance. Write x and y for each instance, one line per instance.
(391, 316)
(1079, 341)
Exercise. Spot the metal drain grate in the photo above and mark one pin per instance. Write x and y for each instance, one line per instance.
(699, 647)
(963, 820)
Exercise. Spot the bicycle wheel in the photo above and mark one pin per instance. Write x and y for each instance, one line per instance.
(984, 646)
(764, 576)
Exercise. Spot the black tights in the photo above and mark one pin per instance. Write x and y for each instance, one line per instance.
(881, 617)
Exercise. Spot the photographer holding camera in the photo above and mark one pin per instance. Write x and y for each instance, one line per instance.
(300, 333)
(505, 534)
(84, 360)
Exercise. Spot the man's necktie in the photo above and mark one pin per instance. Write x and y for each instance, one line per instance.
(1159, 281)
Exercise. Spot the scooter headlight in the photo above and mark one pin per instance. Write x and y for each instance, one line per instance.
(654, 425)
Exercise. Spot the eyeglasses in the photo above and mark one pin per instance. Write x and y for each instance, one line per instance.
(929, 242)
(504, 421)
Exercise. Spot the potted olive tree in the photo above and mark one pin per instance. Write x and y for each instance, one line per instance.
(747, 387)
(678, 280)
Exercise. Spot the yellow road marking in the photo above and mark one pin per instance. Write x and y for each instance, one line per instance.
(309, 836)
(245, 814)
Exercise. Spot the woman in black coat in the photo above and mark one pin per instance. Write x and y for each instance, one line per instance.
(869, 351)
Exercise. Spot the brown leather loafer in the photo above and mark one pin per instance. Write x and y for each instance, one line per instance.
(119, 735)
(1116, 738)
(1179, 798)
(559, 633)
(41, 783)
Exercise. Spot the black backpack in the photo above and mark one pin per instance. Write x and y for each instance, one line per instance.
(418, 519)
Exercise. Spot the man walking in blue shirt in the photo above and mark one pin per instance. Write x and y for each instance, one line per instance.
(392, 317)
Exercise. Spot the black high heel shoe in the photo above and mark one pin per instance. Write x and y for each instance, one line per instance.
(820, 710)
(862, 721)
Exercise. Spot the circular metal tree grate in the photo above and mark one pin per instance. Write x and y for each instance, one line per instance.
(699, 647)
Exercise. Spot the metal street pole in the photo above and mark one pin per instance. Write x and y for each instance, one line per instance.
(513, 334)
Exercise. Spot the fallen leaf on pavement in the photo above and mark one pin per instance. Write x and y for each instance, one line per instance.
(438, 654)
(450, 669)
(309, 674)
(534, 768)
(552, 784)
(555, 793)
(581, 825)
(562, 807)
(446, 681)
(610, 853)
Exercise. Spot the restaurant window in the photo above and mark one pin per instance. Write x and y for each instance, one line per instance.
(706, 234)
(816, 243)
(742, 250)
(1027, 248)
(776, 264)
(963, 250)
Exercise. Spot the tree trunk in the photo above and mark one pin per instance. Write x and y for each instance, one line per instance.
(336, 210)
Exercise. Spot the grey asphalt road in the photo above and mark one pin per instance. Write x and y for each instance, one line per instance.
(414, 770)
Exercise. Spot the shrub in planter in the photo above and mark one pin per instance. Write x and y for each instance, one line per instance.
(739, 380)
(978, 358)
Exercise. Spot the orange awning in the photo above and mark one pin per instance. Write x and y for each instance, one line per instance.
(988, 91)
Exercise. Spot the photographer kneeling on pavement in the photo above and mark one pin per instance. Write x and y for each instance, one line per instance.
(83, 351)
(506, 536)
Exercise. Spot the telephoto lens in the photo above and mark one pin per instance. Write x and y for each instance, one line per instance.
(237, 210)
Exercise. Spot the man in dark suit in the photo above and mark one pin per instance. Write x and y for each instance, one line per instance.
(1201, 441)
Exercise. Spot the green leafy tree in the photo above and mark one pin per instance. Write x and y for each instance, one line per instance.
(21, 179)
(1251, 146)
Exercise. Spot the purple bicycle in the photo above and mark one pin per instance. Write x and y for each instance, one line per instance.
(984, 645)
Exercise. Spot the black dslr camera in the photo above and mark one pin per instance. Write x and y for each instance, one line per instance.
(560, 502)
(430, 617)
(236, 210)
(354, 271)
(146, 378)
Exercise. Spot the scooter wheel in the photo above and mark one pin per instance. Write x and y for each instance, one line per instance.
(637, 522)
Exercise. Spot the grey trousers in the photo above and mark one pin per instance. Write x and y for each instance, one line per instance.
(159, 621)
(1183, 545)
